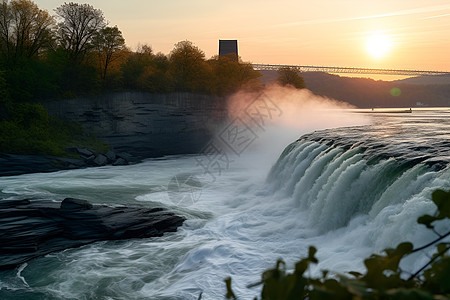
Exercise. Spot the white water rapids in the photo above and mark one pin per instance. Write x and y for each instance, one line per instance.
(257, 210)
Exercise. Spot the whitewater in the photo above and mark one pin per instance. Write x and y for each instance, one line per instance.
(349, 189)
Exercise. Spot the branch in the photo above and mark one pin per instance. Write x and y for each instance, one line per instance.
(429, 263)
(441, 237)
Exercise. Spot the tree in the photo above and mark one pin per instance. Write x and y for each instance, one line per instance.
(290, 76)
(5, 28)
(230, 74)
(188, 67)
(156, 78)
(80, 24)
(136, 66)
(109, 44)
(24, 29)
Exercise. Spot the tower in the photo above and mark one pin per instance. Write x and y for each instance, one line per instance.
(228, 47)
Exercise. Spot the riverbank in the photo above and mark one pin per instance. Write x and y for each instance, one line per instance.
(135, 125)
(18, 164)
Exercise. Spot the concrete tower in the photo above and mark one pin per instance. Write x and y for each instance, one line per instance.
(228, 47)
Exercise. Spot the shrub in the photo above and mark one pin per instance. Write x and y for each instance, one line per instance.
(29, 129)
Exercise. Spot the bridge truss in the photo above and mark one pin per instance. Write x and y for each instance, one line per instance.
(349, 70)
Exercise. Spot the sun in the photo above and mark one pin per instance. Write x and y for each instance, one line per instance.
(378, 45)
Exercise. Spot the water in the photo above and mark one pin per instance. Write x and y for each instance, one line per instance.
(348, 191)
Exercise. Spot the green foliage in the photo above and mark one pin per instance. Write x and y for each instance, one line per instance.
(186, 70)
(29, 129)
(31, 79)
(143, 70)
(188, 67)
(383, 279)
(229, 75)
(442, 201)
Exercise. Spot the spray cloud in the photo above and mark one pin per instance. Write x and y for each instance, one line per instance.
(293, 109)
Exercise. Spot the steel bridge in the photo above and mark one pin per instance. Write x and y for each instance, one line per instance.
(349, 70)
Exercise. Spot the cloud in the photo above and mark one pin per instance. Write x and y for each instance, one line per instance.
(413, 11)
(438, 16)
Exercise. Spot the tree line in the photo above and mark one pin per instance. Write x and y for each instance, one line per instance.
(75, 52)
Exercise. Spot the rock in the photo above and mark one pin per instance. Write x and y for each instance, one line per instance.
(67, 162)
(30, 229)
(110, 155)
(120, 162)
(100, 160)
(84, 152)
(75, 204)
(90, 160)
(126, 156)
(17, 164)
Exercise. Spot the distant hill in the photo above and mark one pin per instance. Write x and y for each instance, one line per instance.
(427, 80)
(368, 93)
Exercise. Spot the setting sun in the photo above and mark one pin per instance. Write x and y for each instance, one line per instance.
(378, 45)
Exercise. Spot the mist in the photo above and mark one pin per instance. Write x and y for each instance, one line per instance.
(278, 115)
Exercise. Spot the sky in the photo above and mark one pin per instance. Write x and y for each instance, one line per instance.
(415, 34)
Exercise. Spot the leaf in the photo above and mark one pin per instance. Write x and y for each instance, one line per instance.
(301, 267)
(355, 274)
(356, 287)
(438, 276)
(403, 249)
(442, 248)
(427, 220)
(312, 252)
(442, 201)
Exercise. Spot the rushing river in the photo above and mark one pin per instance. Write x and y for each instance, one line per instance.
(349, 191)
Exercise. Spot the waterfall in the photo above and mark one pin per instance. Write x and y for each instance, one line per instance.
(336, 184)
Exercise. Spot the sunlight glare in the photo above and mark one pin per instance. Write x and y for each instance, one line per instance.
(378, 45)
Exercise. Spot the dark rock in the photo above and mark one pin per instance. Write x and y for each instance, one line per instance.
(100, 160)
(7, 204)
(126, 156)
(65, 162)
(90, 160)
(75, 204)
(84, 152)
(110, 155)
(29, 229)
(17, 164)
(120, 162)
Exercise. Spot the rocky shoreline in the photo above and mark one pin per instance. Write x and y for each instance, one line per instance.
(33, 228)
(18, 164)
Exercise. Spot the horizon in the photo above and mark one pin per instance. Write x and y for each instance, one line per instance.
(395, 35)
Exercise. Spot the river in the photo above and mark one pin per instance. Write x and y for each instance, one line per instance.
(348, 190)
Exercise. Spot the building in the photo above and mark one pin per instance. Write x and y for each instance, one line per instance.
(227, 47)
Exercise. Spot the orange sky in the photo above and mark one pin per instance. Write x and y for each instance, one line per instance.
(321, 32)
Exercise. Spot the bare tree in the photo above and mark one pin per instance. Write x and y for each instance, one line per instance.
(80, 24)
(24, 28)
(5, 28)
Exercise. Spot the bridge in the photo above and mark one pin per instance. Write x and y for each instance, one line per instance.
(349, 70)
